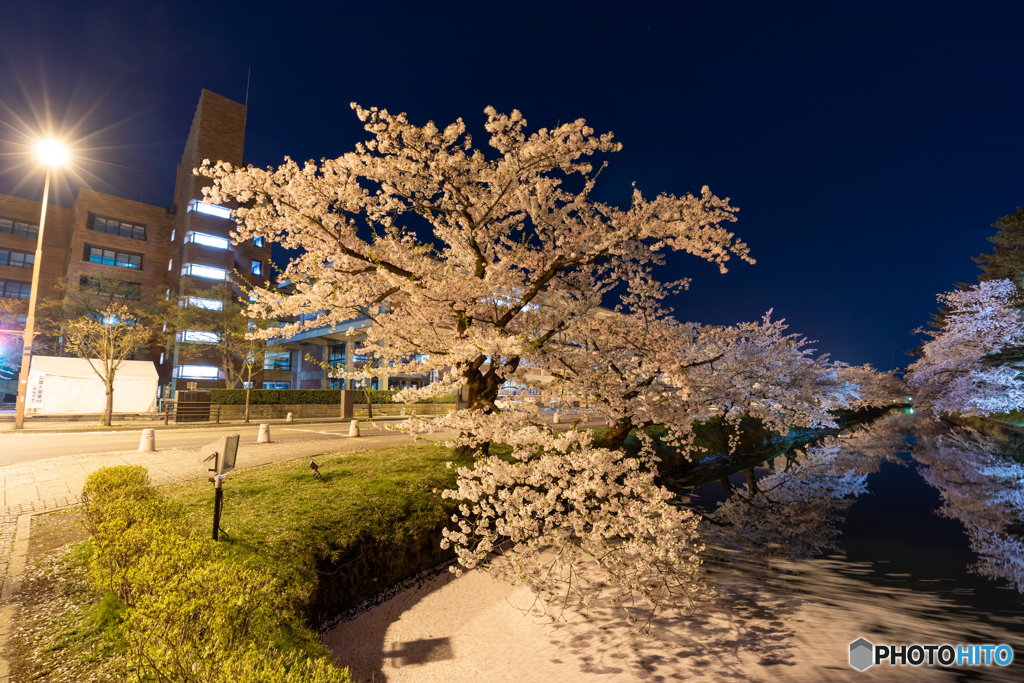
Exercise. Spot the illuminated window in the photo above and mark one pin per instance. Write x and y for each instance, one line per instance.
(18, 259)
(170, 264)
(204, 271)
(207, 240)
(257, 241)
(275, 385)
(109, 257)
(197, 371)
(257, 267)
(209, 304)
(277, 360)
(209, 209)
(173, 231)
(337, 383)
(161, 358)
(197, 337)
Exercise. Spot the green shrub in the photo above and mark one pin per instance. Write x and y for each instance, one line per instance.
(259, 665)
(181, 608)
(293, 396)
(188, 631)
(143, 544)
(443, 398)
(110, 484)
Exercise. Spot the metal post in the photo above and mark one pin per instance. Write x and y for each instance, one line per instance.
(218, 501)
(30, 321)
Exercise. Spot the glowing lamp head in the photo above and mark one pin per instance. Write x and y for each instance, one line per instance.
(51, 152)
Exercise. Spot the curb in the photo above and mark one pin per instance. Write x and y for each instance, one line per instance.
(55, 427)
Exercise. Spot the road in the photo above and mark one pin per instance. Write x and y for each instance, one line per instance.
(24, 447)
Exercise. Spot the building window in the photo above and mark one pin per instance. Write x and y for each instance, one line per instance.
(109, 257)
(277, 360)
(275, 385)
(115, 227)
(170, 264)
(208, 304)
(116, 289)
(197, 371)
(204, 271)
(15, 290)
(209, 209)
(197, 337)
(174, 231)
(257, 267)
(18, 259)
(257, 241)
(207, 240)
(338, 383)
(9, 226)
(161, 358)
(336, 355)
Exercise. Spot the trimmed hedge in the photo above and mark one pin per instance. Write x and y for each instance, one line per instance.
(235, 397)
(293, 396)
(188, 612)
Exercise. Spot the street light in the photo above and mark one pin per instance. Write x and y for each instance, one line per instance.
(51, 153)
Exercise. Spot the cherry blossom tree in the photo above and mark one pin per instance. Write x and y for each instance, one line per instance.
(643, 368)
(566, 518)
(517, 263)
(519, 248)
(959, 371)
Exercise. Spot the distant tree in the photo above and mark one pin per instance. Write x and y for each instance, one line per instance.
(1006, 262)
(106, 339)
(206, 330)
(957, 373)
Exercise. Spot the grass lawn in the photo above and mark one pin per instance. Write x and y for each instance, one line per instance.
(371, 522)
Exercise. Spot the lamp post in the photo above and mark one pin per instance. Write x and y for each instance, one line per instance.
(51, 153)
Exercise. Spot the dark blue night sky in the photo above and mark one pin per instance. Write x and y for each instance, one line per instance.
(869, 145)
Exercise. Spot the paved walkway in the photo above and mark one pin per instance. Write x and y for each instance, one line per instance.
(57, 482)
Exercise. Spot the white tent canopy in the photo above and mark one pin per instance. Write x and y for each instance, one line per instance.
(70, 385)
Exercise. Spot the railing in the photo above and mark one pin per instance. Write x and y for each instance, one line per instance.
(189, 412)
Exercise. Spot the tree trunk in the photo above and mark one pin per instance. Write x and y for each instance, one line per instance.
(108, 413)
(248, 388)
(483, 392)
(369, 403)
(615, 437)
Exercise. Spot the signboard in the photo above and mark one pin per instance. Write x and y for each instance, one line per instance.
(221, 454)
(35, 390)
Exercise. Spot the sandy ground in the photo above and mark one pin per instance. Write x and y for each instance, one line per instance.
(763, 626)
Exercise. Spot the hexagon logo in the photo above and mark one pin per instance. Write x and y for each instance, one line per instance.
(861, 654)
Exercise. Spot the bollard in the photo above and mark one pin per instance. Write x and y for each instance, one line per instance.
(289, 418)
(557, 420)
(264, 435)
(148, 441)
(353, 429)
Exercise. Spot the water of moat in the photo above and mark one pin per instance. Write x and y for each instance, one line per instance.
(892, 537)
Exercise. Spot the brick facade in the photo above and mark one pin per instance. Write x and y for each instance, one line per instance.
(217, 133)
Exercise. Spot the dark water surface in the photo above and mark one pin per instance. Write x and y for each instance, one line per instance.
(893, 538)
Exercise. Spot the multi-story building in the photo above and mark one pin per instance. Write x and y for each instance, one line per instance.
(179, 247)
